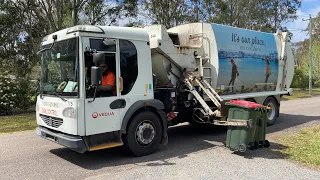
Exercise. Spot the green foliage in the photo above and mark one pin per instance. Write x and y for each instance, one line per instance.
(108, 13)
(21, 35)
(134, 24)
(169, 13)
(27, 90)
(263, 15)
(315, 27)
(8, 94)
(316, 61)
(302, 59)
(300, 79)
(16, 93)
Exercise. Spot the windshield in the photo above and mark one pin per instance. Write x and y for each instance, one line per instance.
(59, 75)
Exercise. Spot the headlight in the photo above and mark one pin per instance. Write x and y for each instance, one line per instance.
(69, 112)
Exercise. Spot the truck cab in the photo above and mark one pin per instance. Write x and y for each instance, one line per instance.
(76, 112)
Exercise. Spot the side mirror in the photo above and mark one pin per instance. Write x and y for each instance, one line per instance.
(96, 76)
(98, 58)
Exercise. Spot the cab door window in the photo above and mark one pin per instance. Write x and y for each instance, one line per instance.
(108, 67)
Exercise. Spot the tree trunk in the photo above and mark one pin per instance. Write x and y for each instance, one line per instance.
(59, 14)
(74, 13)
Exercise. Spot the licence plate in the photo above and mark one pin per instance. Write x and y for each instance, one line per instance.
(38, 132)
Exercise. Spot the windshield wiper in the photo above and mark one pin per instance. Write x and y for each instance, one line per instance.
(56, 94)
(44, 49)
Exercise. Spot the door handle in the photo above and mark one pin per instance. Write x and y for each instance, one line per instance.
(117, 104)
(121, 84)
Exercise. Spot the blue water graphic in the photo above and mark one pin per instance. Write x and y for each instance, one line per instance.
(250, 70)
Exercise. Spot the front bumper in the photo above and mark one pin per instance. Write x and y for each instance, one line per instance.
(75, 143)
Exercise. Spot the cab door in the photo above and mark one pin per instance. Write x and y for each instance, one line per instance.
(101, 115)
(135, 73)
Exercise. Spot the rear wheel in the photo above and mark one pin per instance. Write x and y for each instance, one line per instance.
(272, 114)
(143, 134)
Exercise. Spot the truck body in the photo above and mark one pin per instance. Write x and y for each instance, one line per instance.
(163, 77)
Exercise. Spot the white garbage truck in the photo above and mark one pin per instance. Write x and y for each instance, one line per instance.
(104, 86)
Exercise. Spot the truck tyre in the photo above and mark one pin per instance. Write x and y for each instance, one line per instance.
(143, 135)
(272, 115)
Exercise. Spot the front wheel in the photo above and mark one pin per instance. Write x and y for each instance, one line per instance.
(272, 115)
(144, 134)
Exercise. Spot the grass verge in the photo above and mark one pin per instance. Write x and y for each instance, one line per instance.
(304, 146)
(14, 123)
(298, 94)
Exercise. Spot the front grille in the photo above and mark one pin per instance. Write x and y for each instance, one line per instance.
(52, 121)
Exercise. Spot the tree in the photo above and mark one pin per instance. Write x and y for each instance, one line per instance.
(108, 12)
(262, 15)
(315, 27)
(300, 48)
(283, 11)
(25, 22)
(167, 12)
(21, 35)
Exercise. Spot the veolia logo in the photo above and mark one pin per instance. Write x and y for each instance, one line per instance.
(94, 115)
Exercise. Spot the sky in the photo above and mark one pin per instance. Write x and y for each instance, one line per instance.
(307, 7)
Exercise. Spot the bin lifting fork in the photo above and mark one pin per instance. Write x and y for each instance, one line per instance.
(215, 98)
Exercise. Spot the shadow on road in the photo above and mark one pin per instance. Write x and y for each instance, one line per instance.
(286, 121)
(273, 152)
(183, 140)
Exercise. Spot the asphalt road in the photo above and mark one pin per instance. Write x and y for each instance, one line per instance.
(192, 153)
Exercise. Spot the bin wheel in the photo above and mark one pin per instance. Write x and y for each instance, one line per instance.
(266, 143)
(251, 147)
(256, 145)
(242, 148)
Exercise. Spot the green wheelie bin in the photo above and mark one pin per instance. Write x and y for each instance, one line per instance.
(251, 132)
(260, 135)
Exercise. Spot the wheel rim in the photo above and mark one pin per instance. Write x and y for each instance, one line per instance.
(145, 133)
(271, 113)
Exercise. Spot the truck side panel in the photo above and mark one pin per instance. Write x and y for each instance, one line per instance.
(248, 60)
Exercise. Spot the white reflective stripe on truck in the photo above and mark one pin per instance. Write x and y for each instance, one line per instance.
(250, 95)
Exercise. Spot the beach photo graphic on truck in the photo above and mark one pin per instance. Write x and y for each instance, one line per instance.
(248, 60)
